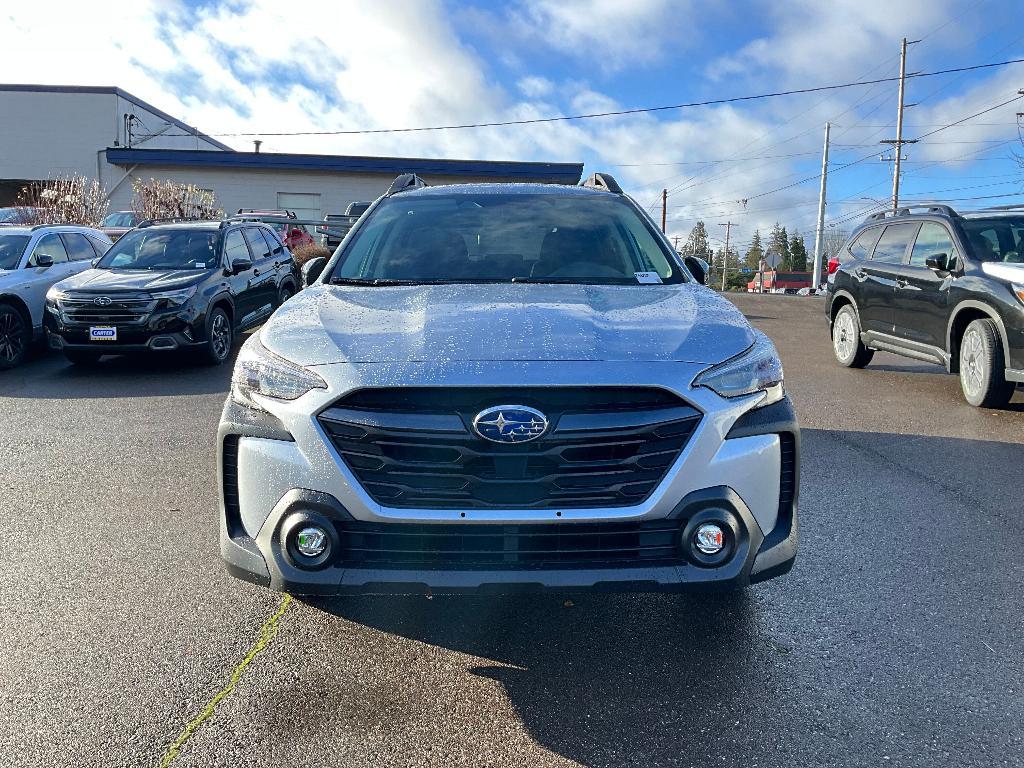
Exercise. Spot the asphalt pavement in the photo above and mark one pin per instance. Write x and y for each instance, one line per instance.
(898, 639)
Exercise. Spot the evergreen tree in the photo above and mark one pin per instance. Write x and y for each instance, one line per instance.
(697, 243)
(797, 253)
(755, 253)
(777, 253)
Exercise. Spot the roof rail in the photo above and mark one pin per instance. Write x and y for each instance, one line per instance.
(41, 226)
(168, 220)
(602, 181)
(279, 212)
(404, 183)
(1014, 207)
(938, 208)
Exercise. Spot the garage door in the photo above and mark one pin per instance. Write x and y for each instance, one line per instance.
(305, 204)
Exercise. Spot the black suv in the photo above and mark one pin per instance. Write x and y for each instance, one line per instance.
(166, 286)
(935, 285)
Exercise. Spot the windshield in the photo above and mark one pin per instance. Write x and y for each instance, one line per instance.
(119, 219)
(996, 239)
(163, 249)
(486, 237)
(12, 215)
(11, 249)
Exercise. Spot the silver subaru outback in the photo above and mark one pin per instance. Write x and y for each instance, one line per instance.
(507, 386)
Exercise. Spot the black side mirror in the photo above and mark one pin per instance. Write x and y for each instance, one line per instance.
(938, 262)
(238, 266)
(698, 268)
(44, 260)
(312, 270)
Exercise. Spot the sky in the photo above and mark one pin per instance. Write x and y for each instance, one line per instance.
(245, 66)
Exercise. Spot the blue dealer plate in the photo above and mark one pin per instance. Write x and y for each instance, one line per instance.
(102, 333)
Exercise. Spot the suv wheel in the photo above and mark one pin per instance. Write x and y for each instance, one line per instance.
(982, 366)
(219, 337)
(15, 336)
(284, 294)
(82, 356)
(850, 351)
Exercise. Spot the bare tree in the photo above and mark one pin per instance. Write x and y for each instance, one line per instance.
(70, 199)
(156, 199)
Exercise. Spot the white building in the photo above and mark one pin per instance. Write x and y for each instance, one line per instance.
(110, 135)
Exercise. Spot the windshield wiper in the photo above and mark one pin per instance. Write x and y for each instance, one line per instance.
(393, 281)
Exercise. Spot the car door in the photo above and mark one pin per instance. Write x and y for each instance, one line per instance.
(264, 271)
(80, 251)
(875, 279)
(921, 308)
(40, 278)
(240, 285)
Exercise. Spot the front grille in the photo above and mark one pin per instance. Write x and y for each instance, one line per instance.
(130, 309)
(535, 546)
(414, 448)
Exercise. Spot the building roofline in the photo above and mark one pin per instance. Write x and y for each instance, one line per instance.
(563, 173)
(113, 90)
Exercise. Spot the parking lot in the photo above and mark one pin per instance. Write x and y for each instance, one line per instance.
(896, 640)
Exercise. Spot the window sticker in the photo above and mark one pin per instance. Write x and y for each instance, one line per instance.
(647, 277)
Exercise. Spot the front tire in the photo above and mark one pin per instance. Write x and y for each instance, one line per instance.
(284, 294)
(220, 337)
(849, 349)
(983, 366)
(15, 336)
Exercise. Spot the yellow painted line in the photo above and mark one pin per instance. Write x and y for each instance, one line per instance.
(267, 632)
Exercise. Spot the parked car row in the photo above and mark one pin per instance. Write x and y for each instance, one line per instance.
(162, 286)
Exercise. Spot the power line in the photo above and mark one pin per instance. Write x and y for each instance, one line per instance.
(622, 112)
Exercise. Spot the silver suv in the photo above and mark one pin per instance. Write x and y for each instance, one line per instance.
(507, 386)
(31, 260)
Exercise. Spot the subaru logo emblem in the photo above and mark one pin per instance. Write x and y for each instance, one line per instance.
(510, 424)
(103, 301)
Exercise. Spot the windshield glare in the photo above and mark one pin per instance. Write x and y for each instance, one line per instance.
(996, 239)
(467, 237)
(11, 249)
(119, 219)
(156, 249)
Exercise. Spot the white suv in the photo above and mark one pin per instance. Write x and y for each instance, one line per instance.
(31, 260)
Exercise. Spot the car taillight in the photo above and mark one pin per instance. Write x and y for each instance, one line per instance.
(833, 265)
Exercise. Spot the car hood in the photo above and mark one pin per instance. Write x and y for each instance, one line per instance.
(507, 322)
(1011, 272)
(131, 280)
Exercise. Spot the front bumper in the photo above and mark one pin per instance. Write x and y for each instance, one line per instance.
(741, 462)
(162, 331)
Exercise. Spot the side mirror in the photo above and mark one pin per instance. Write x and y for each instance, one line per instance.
(44, 260)
(698, 268)
(312, 270)
(938, 262)
(238, 266)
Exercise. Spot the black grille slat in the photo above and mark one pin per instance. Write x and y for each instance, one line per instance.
(414, 447)
(475, 546)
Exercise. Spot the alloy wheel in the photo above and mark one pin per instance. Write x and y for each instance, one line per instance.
(972, 362)
(843, 337)
(12, 336)
(220, 336)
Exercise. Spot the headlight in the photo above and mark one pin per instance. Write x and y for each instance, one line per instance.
(758, 369)
(54, 295)
(1019, 291)
(260, 371)
(175, 298)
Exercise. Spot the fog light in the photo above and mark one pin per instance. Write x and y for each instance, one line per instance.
(709, 539)
(311, 541)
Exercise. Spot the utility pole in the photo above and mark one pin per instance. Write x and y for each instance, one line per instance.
(725, 259)
(819, 233)
(664, 208)
(675, 243)
(898, 142)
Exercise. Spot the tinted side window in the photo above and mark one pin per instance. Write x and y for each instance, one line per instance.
(52, 246)
(258, 246)
(78, 247)
(932, 240)
(235, 247)
(865, 242)
(892, 245)
(100, 246)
